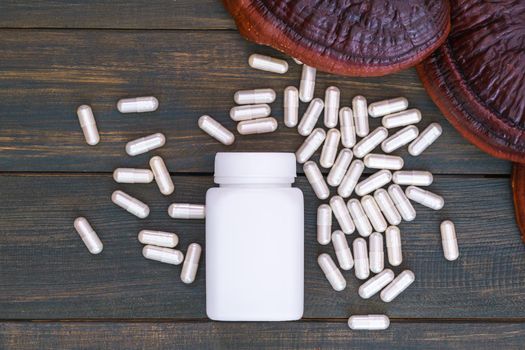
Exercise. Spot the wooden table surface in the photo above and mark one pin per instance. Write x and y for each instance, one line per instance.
(56, 55)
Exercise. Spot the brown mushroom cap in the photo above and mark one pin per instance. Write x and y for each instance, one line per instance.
(352, 37)
(477, 78)
(518, 189)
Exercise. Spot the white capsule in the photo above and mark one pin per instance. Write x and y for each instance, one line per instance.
(316, 179)
(346, 124)
(164, 255)
(291, 106)
(397, 286)
(383, 161)
(350, 179)
(250, 97)
(368, 322)
(382, 108)
(257, 126)
(216, 130)
(324, 224)
(367, 144)
(337, 173)
(162, 175)
(342, 215)
(132, 176)
(307, 85)
(330, 147)
(138, 104)
(247, 112)
(426, 198)
(331, 102)
(310, 117)
(399, 139)
(268, 64)
(310, 145)
(130, 204)
(359, 217)
(425, 139)
(412, 177)
(373, 182)
(191, 263)
(145, 144)
(187, 211)
(376, 254)
(449, 240)
(88, 124)
(387, 206)
(376, 283)
(88, 235)
(360, 116)
(332, 273)
(393, 246)
(297, 61)
(403, 205)
(342, 251)
(158, 238)
(410, 116)
(373, 213)
(361, 266)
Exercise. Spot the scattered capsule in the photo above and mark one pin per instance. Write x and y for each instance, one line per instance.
(376, 283)
(412, 177)
(324, 224)
(403, 205)
(247, 112)
(216, 130)
(360, 116)
(346, 124)
(88, 124)
(158, 238)
(162, 175)
(307, 85)
(316, 179)
(367, 144)
(449, 240)
(145, 144)
(397, 286)
(138, 104)
(132, 176)
(359, 217)
(337, 173)
(332, 273)
(425, 139)
(342, 251)
(268, 64)
(257, 126)
(162, 254)
(310, 145)
(291, 106)
(250, 97)
(342, 215)
(88, 235)
(130, 204)
(373, 213)
(191, 263)
(187, 211)
(368, 322)
(373, 182)
(383, 161)
(393, 246)
(310, 117)
(382, 108)
(330, 147)
(351, 178)
(361, 266)
(410, 116)
(426, 198)
(399, 139)
(376, 254)
(297, 61)
(387, 206)
(331, 101)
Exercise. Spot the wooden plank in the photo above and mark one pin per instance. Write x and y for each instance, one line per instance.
(47, 273)
(45, 75)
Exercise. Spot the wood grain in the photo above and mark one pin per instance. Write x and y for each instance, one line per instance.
(518, 189)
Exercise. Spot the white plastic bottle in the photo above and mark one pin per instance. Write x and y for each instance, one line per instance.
(254, 239)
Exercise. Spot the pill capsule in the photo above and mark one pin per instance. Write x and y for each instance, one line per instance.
(368, 322)
(412, 177)
(162, 254)
(338, 171)
(162, 175)
(257, 126)
(145, 144)
(297, 61)
(324, 224)
(361, 267)
(250, 97)
(387, 206)
(373, 213)
(310, 117)
(88, 235)
(425, 139)
(132, 176)
(376, 283)
(331, 101)
(383, 161)
(359, 217)
(373, 182)
(397, 286)
(310, 145)
(376, 254)
(291, 106)
(330, 147)
(332, 273)
(187, 211)
(346, 124)
(138, 104)
(382, 108)
(130, 204)
(395, 120)
(399, 139)
(393, 246)
(158, 238)
(342, 215)
(342, 251)
(316, 179)
(88, 124)
(426, 198)
(268, 64)
(191, 263)
(247, 112)
(350, 179)
(367, 144)
(449, 240)
(360, 116)
(403, 205)
(216, 130)
(307, 85)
